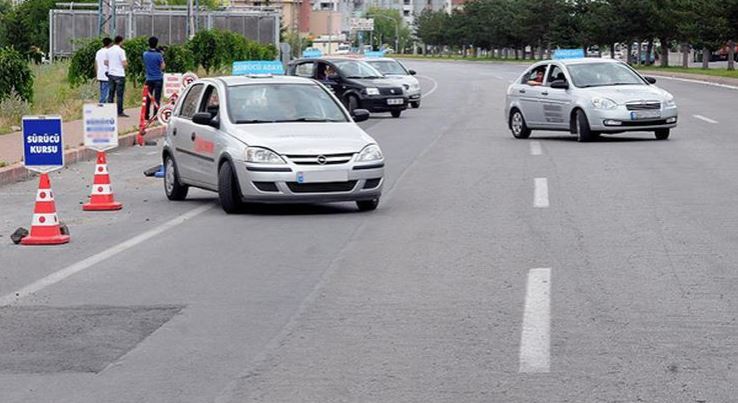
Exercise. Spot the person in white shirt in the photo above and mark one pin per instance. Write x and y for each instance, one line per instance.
(117, 64)
(101, 69)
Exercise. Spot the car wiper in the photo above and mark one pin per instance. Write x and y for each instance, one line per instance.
(309, 120)
(624, 84)
(249, 121)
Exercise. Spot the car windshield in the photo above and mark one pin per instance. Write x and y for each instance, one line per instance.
(273, 103)
(388, 67)
(357, 69)
(603, 74)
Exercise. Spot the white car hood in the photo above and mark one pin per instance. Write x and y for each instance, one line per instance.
(304, 138)
(628, 93)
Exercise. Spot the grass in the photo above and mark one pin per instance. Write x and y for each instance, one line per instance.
(715, 72)
(52, 95)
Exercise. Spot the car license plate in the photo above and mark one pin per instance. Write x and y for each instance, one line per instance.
(395, 101)
(637, 115)
(322, 176)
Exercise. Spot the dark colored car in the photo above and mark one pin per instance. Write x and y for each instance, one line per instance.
(357, 84)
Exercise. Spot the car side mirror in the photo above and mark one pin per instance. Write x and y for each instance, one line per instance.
(360, 115)
(650, 80)
(206, 119)
(412, 72)
(560, 84)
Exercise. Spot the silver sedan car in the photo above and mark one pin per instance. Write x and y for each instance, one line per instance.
(587, 97)
(396, 71)
(270, 139)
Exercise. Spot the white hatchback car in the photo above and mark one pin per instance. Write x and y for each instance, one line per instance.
(587, 97)
(270, 139)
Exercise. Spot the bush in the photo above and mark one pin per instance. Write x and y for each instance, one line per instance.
(135, 49)
(179, 59)
(207, 48)
(15, 75)
(82, 66)
(13, 107)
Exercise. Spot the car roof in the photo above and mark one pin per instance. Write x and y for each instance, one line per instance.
(231, 81)
(582, 60)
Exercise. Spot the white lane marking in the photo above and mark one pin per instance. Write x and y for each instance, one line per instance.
(432, 90)
(540, 194)
(535, 148)
(535, 338)
(689, 80)
(706, 119)
(75, 268)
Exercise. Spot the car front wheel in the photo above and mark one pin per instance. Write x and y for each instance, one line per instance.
(228, 191)
(173, 188)
(415, 105)
(584, 133)
(662, 134)
(519, 129)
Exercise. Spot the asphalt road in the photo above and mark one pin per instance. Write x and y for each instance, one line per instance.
(494, 270)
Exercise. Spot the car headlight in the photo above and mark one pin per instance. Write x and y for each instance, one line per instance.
(670, 103)
(262, 156)
(603, 103)
(372, 91)
(415, 86)
(371, 152)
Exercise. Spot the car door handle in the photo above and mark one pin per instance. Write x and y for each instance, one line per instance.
(544, 93)
(193, 136)
(174, 132)
(521, 91)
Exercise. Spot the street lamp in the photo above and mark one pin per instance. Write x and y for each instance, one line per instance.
(397, 29)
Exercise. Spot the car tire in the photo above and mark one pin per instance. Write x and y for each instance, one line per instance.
(352, 103)
(173, 187)
(228, 190)
(367, 205)
(396, 114)
(415, 105)
(584, 133)
(518, 126)
(662, 134)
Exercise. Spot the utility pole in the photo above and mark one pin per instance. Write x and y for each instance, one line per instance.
(106, 17)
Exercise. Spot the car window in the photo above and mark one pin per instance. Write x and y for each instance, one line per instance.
(210, 101)
(305, 70)
(535, 75)
(555, 73)
(189, 103)
(272, 103)
(357, 69)
(388, 67)
(603, 74)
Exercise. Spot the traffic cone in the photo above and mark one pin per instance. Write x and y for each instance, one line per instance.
(45, 228)
(102, 198)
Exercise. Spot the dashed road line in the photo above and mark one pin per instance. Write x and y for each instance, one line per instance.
(540, 194)
(535, 148)
(706, 119)
(535, 338)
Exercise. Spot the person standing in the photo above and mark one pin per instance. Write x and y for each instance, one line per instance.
(117, 64)
(101, 69)
(154, 64)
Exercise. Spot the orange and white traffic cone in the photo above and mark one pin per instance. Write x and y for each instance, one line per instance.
(102, 198)
(45, 228)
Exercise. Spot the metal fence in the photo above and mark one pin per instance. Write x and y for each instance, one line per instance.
(67, 27)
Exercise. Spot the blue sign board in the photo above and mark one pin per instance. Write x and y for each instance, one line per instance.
(258, 67)
(568, 53)
(372, 54)
(43, 148)
(311, 53)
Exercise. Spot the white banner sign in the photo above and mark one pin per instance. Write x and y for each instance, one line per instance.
(100, 126)
(172, 84)
(362, 24)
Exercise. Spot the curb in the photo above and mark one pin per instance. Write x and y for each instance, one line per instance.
(724, 82)
(17, 172)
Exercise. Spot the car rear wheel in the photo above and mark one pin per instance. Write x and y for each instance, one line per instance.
(415, 105)
(518, 126)
(396, 114)
(228, 191)
(367, 205)
(662, 134)
(173, 188)
(352, 103)
(584, 133)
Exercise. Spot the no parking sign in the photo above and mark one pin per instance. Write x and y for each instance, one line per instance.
(43, 146)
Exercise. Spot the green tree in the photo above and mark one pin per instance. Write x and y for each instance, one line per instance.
(81, 67)
(179, 59)
(15, 75)
(388, 24)
(206, 47)
(27, 25)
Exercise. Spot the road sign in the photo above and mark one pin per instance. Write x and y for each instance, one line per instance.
(374, 54)
(362, 24)
(258, 67)
(172, 84)
(568, 53)
(100, 122)
(311, 53)
(43, 147)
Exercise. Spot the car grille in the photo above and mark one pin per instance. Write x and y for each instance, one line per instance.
(391, 91)
(325, 187)
(330, 159)
(640, 106)
(266, 186)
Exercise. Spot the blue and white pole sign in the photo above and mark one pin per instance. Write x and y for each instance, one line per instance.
(568, 53)
(273, 67)
(100, 123)
(43, 146)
